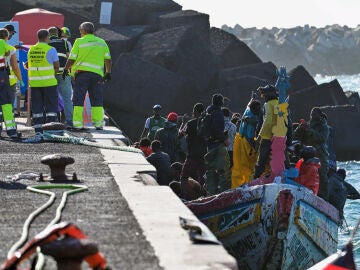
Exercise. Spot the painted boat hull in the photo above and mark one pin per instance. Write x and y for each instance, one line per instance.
(273, 226)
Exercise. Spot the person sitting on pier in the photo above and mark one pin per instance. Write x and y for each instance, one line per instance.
(144, 146)
(161, 162)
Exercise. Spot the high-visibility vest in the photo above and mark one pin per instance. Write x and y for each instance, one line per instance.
(3, 49)
(12, 76)
(41, 72)
(89, 53)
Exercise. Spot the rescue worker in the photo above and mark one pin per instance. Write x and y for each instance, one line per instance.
(65, 35)
(269, 94)
(153, 123)
(5, 91)
(12, 64)
(64, 86)
(43, 64)
(86, 61)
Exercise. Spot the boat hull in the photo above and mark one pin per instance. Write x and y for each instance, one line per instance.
(273, 226)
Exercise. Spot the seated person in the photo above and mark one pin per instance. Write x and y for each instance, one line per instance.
(145, 146)
(161, 161)
(308, 167)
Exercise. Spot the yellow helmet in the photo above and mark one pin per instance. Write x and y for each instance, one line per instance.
(66, 31)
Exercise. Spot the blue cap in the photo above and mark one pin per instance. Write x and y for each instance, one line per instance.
(157, 107)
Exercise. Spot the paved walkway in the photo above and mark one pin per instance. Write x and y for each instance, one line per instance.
(136, 225)
(102, 212)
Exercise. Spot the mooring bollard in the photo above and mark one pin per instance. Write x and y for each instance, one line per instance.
(57, 164)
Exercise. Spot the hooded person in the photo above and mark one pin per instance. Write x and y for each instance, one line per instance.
(244, 146)
(316, 134)
(168, 136)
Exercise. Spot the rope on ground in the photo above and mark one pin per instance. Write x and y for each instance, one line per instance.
(41, 189)
(67, 137)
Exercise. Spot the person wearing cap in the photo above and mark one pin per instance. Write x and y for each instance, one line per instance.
(43, 64)
(5, 96)
(217, 158)
(12, 64)
(65, 35)
(87, 59)
(168, 137)
(11, 30)
(64, 85)
(153, 123)
(269, 94)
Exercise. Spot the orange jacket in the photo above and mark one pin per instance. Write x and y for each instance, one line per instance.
(309, 174)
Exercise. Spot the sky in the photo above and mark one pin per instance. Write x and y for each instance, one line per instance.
(278, 13)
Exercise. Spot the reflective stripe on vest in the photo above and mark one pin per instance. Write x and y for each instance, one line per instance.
(89, 53)
(41, 72)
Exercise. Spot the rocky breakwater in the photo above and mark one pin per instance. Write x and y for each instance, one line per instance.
(163, 54)
(173, 57)
(331, 50)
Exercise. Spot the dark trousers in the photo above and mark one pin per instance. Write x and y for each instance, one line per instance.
(44, 100)
(264, 157)
(194, 168)
(88, 82)
(5, 90)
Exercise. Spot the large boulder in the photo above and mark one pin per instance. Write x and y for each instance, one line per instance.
(137, 85)
(300, 78)
(263, 71)
(353, 98)
(326, 94)
(198, 21)
(122, 38)
(345, 120)
(239, 91)
(180, 50)
(132, 12)
(230, 51)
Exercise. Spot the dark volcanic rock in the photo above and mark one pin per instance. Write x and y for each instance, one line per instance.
(300, 79)
(353, 98)
(239, 90)
(133, 12)
(198, 21)
(345, 120)
(122, 38)
(263, 71)
(138, 85)
(230, 51)
(180, 50)
(326, 94)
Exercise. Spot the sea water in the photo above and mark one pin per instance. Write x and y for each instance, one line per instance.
(352, 207)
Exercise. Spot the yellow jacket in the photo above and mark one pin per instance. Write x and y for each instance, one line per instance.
(269, 120)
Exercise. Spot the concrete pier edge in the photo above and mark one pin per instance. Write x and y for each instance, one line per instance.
(157, 210)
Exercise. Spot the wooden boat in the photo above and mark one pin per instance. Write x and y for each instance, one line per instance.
(272, 226)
